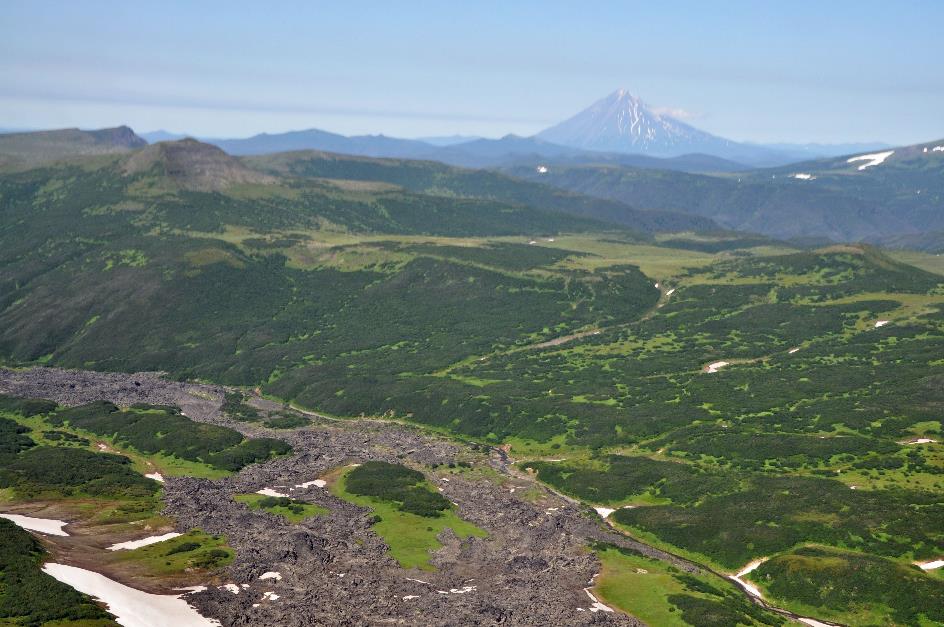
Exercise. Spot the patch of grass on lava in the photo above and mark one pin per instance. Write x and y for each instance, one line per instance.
(294, 512)
(411, 538)
(191, 551)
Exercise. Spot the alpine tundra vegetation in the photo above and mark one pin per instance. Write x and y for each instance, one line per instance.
(618, 370)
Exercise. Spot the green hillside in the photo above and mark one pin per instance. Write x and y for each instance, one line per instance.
(757, 401)
(430, 177)
(831, 198)
(196, 267)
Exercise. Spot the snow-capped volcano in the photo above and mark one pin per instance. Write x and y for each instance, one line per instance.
(622, 122)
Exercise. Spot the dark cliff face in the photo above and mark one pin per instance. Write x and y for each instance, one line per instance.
(121, 136)
(39, 147)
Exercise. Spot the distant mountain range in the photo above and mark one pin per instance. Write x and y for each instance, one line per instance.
(805, 152)
(891, 196)
(622, 123)
(471, 153)
(618, 129)
(449, 140)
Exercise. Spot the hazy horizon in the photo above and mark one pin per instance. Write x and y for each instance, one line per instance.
(799, 73)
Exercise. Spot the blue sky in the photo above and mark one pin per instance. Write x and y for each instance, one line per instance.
(827, 71)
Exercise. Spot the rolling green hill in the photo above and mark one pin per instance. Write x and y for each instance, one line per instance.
(188, 256)
(832, 198)
(430, 177)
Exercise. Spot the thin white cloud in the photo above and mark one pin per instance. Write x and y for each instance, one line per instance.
(677, 112)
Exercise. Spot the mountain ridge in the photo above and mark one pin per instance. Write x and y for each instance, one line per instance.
(872, 197)
(437, 178)
(476, 153)
(29, 148)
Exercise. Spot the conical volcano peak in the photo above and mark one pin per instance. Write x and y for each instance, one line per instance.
(625, 95)
(622, 122)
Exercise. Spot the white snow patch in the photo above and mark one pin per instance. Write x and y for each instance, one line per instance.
(716, 366)
(596, 606)
(656, 286)
(463, 590)
(812, 622)
(270, 596)
(410, 596)
(749, 587)
(131, 607)
(270, 492)
(873, 159)
(803, 176)
(135, 544)
(318, 483)
(920, 441)
(938, 149)
(881, 323)
(231, 587)
(156, 476)
(670, 292)
(42, 525)
(793, 350)
(542, 169)
(271, 575)
(604, 512)
(425, 583)
(930, 565)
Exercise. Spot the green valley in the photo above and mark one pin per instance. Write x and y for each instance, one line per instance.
(731, 397)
